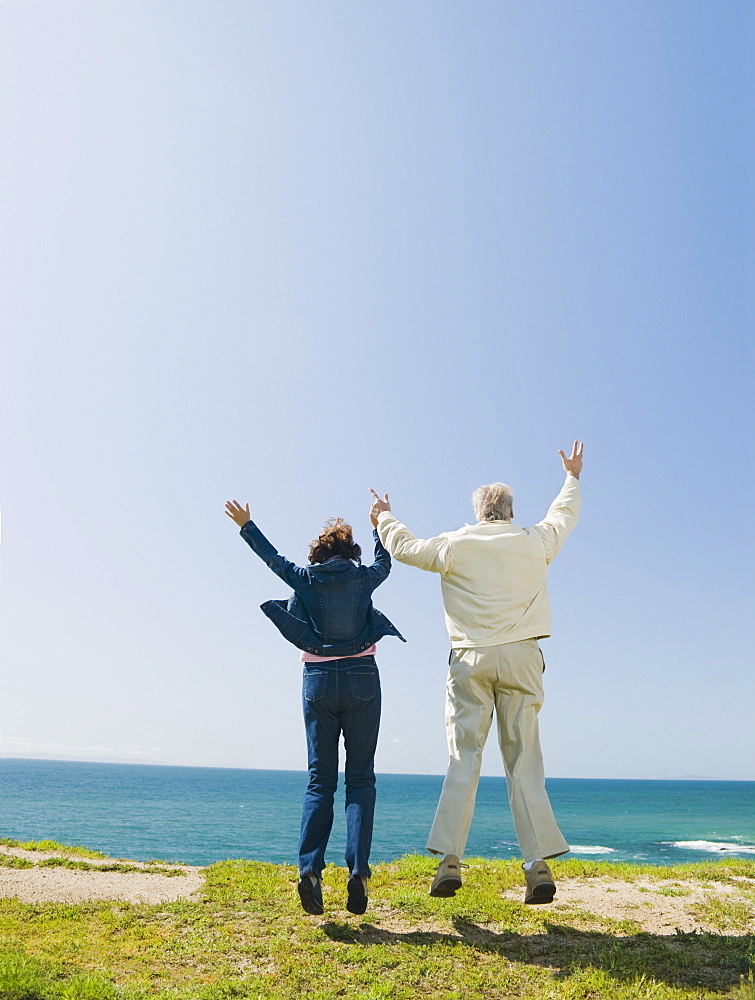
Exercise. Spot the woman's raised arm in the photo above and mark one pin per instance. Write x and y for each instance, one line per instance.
(289, 572)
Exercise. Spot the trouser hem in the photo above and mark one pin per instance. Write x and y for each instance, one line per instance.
(543, 856)
(439, 850)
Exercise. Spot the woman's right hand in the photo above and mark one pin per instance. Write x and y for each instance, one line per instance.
(237, 513)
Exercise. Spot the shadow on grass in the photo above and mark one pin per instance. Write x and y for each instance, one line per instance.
(714, 961)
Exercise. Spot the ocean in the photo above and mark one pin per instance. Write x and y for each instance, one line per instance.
(199, 815)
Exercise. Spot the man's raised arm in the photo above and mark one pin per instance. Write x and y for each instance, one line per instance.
(433, 554)
(564, 511)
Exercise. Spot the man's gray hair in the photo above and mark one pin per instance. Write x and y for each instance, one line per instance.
(494, 502)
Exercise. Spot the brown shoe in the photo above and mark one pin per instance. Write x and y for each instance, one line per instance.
(540, 885)
(447, 878)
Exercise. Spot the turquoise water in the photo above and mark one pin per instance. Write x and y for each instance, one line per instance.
(200, 815)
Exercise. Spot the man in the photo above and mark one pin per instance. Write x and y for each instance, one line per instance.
(495, 597)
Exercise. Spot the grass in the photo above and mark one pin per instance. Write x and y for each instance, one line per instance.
(24, 978)
(724, 914)
(113, 866)
(248, 938)
(9, 861)
(50, 845)
(152, 867)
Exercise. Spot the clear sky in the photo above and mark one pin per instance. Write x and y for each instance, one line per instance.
(285, 251)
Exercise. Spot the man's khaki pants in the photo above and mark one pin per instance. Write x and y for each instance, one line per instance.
(506, 678)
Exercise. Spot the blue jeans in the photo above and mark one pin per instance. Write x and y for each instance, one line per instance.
(340, 696)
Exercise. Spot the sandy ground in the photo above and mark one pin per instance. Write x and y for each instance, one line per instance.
(658, 906)
(652, 903)
(67, 885)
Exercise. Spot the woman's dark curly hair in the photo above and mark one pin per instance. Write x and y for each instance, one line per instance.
(335, 539)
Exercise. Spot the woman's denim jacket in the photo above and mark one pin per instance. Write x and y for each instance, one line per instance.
(330, 612)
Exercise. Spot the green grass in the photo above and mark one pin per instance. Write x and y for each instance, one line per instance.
(9, 861)
(724, 914)
(112, 866)
(24, 978)
(746, 989)
(248, 938)
(152, 867)
(50, 845)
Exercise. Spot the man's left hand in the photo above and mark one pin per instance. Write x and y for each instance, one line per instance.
(573, 462)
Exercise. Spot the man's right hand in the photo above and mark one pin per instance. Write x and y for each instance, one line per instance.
(377, 507)
(573, 464)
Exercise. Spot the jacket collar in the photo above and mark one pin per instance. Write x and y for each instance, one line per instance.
(336, 564)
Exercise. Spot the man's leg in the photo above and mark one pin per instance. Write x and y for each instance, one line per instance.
(469, 712)
(518, 699)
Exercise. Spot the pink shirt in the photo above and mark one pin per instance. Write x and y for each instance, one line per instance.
(311, 658)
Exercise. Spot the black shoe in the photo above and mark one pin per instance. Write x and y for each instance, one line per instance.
(356, 901)
(310, 894)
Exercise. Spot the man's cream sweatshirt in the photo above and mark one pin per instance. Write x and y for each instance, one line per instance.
(493, 574)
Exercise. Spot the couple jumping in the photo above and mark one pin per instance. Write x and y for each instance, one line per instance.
(493, 579)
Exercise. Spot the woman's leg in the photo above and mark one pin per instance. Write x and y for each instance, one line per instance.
(322, 726)
(359, 686)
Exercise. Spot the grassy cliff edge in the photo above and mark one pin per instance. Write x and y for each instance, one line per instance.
(244, 935)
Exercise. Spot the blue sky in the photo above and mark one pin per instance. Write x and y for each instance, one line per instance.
(283, 252)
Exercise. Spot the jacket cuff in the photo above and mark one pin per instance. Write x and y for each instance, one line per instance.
(382, 522)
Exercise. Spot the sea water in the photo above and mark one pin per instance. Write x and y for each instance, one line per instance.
(200, 815)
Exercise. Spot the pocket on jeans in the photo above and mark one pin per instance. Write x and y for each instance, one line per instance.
(363, 684)
(315, 684)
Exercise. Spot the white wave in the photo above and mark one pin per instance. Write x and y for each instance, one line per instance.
(712, 846)
(591, 849)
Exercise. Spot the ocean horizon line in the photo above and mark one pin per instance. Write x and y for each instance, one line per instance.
(199, 814)
(289, 770)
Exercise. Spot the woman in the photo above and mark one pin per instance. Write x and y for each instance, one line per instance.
(331, 619)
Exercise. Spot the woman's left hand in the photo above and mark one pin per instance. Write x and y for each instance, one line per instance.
(237, 513)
